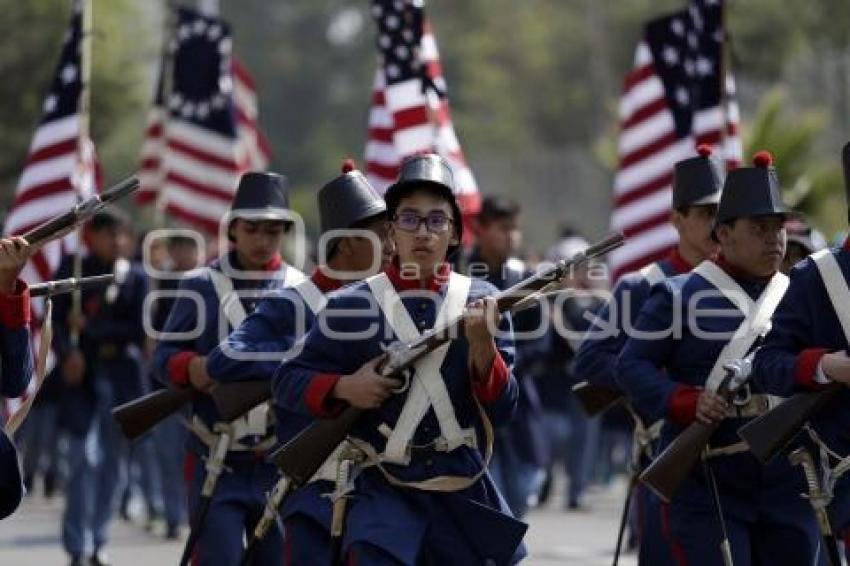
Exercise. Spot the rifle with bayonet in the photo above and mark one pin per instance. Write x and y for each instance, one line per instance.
(666, 473)
(80, 213)
(300, 458)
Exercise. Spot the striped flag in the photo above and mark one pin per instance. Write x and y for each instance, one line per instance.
(410, 108)
(60, 168)
(205, 135)
(671, 103)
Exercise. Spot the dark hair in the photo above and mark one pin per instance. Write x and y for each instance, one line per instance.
(363, 223)
(497, 208)
(107, 218)
(175, 241)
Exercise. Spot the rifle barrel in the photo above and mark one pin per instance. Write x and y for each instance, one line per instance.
(71, 284)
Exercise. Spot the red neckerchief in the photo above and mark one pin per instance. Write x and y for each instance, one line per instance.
(325, 283)
(846, 245)
(678, 263)
(434, 282)
(274, 263)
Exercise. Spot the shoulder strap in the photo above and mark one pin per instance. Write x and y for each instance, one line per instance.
(427, 388)
(836, 287)
(712, 273)
(311, 294)
(230, 303)
(292, 276)
(652, 273)
(755, 324)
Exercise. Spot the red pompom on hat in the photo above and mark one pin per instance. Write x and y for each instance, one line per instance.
(704, 150)
(763, 159)
(348, 165)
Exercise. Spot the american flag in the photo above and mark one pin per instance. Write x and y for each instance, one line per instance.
(671, 103)
(61, 167)
(410, 109)
(195, 151)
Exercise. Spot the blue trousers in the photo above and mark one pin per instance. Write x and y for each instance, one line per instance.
(236, 506)
(305, 542)
(170, 438)
(655, 546)
(40, 435)
(785, 535)
(94, 476)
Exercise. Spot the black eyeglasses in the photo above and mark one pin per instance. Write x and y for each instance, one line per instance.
(435, 222)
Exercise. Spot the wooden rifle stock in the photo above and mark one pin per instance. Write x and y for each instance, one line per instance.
(300, 458)
(138, 416)
(770, 433)
(666, 473)
(596, 399)
(237, 398)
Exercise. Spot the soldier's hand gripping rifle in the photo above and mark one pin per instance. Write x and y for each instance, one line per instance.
(301, 457)
(666, 473)
(65, 223)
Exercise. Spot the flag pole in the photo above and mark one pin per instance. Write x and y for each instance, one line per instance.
(724, 77)
(82, 153)
(167, 62)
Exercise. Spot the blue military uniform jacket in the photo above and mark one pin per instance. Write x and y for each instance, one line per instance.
(663, 375)
(527, 430)
(172, 355)
(304, 383)
(597, 355)
(113, 326)
(271, 334)
(805, 327)
(17, 369)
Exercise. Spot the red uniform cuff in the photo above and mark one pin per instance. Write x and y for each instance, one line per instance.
(490, 389)
(807, 367)
(178, 368)
(682, 406)
(15, 307)
(317, 395)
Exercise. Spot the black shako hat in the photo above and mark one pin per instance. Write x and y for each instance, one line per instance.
(697, 180)
(261, 196)
(425, 170)
(348, 199)
(751, 191)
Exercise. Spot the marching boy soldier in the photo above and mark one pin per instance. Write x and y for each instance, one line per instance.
(258, 222)
(16, 356)
(349, 204)
(672, 366)
(807, 349)
(423, 495)
(697, 183)
(98, 371)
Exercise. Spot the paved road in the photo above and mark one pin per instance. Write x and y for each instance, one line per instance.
(583, 538)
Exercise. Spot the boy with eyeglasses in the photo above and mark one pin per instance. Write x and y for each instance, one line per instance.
(423, 494)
